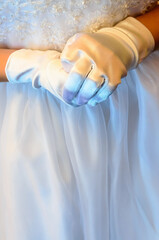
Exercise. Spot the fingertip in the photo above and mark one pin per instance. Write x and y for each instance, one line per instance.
(81, 100)
(72, 85)
(92, 103)
(68, 95)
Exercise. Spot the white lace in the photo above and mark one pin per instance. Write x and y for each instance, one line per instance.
(47, 24)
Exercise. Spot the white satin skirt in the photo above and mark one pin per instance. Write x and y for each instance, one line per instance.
(86, 173)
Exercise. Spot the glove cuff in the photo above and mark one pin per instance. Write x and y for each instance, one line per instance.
(140, 36)
(18, 67)
(135, 37)
(12, 67)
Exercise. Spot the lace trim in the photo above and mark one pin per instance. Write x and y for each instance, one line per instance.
(47, 24)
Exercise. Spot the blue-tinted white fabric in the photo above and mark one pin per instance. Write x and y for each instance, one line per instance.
(81, 173)
(87, 173)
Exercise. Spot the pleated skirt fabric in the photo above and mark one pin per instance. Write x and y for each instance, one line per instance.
(86, 173)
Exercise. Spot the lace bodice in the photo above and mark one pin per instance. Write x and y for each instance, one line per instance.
(47, 24)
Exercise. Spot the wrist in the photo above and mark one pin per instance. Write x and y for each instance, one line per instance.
(151, 21)
(4, 55)
(18, 68)
(133, 41)
(140, 36)
(121, 46)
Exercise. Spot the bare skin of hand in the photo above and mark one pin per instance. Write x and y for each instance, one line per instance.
(151, 21)
(4, 55)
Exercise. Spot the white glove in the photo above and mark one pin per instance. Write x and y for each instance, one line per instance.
(41, 68)
(98, 61)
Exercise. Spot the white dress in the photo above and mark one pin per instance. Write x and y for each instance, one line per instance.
(87, 173)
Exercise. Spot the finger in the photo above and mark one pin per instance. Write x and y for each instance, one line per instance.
(112, 81)
(90, 86)
(76, 78)
(57, 77)
(104, 92)
(70, 46)
(69, 60)
(72, 52)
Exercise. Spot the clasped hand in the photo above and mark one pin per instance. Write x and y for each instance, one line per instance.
(96, 62)
(90, 67)
(94, 69)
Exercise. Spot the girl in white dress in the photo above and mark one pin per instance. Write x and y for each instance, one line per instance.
(66, 172)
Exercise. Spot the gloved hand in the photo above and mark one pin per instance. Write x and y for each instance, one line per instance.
(96, 62)
(41, 68)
